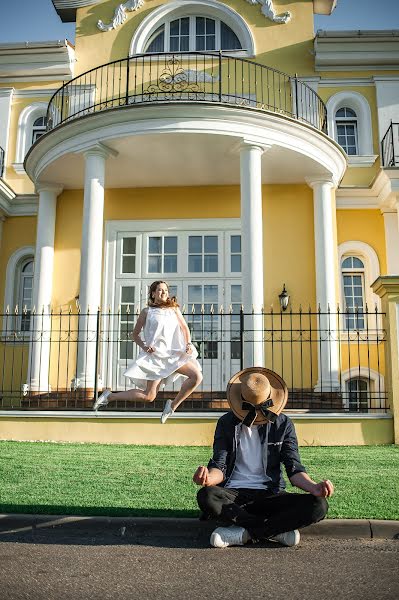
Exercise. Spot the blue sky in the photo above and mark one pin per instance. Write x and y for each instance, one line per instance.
(36, 20)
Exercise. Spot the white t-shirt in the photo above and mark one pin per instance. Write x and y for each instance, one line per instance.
(248, 471)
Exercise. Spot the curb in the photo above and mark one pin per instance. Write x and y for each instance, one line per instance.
(14, 524)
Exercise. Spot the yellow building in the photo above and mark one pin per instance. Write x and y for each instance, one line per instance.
(226, 148)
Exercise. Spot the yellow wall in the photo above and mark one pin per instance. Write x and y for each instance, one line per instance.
(288, 223)
(184, 432)
(286, 47)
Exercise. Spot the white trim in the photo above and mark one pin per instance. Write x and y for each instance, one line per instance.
(363, 373)
(263, 129)
(35, 93)
(362, 161)
(6, 97)
(15, 258)
(359, 104)
(24, 135)
(346, 82)
(371, 272)
(109, 415)
(202, 8)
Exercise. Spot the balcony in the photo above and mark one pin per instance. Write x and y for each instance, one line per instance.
(192, 77)
(390, 147)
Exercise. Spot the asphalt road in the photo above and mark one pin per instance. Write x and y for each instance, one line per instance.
(99, 562)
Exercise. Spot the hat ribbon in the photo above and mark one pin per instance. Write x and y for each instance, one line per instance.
(252, 411)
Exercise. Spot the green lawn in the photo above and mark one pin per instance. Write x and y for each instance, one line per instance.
(96, 479)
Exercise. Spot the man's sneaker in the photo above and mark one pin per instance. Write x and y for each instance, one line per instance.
(101, 400)
(229, 536)
(167, 411)
(289, 538)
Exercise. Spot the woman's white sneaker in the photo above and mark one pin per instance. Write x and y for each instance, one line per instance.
(289, 538)
(167, 411)
(101, 400)
(229, 536)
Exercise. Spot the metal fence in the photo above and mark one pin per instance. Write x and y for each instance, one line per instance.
(390, 146)
(330, 360)
(211, 77)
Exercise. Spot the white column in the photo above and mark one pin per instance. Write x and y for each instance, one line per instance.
(326, 276)
(39, 350)
(252, 250)
(91, 263)
(391, 223)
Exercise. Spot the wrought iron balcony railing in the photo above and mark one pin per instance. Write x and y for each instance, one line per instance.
(390, 146)
(2, 159)
(194, 77)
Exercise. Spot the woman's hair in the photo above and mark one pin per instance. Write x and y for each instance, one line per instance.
(172, 302)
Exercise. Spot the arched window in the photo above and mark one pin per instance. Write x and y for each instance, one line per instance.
(352, 269)
(19, 290)
(188, 26)
(31, 125)
(192, 33)
(349, 123)
(24, 293)
(346, 127)
(38, 128)
(358, 393)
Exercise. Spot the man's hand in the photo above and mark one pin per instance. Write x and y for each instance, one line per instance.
(324, 489)
(201, 475)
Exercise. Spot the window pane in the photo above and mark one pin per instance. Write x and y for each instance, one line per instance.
(210, 263)
(156, 43)
(127, 296)
(200, 42)
(174, 44)
(229, 40)
(236, 263)
(126, 350)
(200, 25)
(184, 26)
(195, 244)
(174, 27)
(211, 293)
(236, 293)
(195, 263)
(154, 245)
(128, 264)
(154, 264)
(211, 243)
(170, 264)
(210, 42)
(184, 44)
(129, 245)
(210, 26)
(235, 243)
(170, 245)
(194, 294)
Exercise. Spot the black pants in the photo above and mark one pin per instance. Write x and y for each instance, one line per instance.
(262, 514)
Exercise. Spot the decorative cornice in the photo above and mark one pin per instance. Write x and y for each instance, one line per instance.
(120, 14)
(269, 12)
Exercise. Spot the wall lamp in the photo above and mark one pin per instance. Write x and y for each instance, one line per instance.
(284, 298)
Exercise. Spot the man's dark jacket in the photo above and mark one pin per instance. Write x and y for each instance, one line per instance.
(280, 446)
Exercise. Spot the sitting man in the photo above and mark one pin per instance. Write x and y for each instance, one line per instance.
(243, 483)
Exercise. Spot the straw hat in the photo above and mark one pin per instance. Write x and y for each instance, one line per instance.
(256, 395)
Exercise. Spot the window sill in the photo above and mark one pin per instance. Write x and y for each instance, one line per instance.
(19, 168)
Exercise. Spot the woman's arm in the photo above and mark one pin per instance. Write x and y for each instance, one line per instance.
(185, 329)
(135, 335)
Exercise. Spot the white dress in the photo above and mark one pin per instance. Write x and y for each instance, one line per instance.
(162, 332)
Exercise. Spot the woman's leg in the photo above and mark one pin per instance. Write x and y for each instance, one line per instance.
(148, 395)
(194, 378)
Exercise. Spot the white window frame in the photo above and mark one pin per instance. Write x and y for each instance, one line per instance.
(352, 120)
(12, 287)
(25, 131)
(369, 257)
(201, 8)
(354, 271)
(359, 104)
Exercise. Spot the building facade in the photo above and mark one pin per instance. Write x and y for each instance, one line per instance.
(223, 147)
